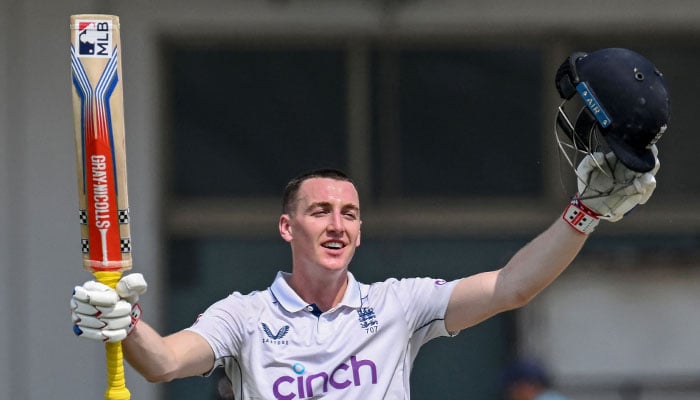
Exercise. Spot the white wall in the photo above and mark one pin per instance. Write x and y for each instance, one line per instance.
(606, 323)
(39, 246)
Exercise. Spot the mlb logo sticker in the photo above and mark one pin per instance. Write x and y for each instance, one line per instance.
(94, 38)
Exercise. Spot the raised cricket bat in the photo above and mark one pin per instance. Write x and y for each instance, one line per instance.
(98, 113)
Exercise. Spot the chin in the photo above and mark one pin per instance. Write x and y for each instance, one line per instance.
(335, 265)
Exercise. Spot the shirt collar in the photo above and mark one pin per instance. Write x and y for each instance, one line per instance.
(291, 301)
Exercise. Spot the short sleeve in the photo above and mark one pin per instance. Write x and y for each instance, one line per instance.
(424, 301)
(222, 325)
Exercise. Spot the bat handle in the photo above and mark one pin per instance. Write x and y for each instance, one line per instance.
(116, 384)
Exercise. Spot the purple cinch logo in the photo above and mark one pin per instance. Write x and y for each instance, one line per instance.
(343, 376)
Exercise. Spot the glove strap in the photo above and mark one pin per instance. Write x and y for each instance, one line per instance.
(135, 318)
(580, 217)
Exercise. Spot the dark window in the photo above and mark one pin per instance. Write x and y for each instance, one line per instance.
(464, 123)
(244, 122)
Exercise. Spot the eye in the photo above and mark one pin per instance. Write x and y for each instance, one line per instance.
(350, 215)
(319, 212)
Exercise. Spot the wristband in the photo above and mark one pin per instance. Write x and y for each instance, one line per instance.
(580, 217)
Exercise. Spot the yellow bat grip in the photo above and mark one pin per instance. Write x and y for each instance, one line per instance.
(116, 384)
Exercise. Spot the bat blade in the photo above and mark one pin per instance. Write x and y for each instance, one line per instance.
(98, 115)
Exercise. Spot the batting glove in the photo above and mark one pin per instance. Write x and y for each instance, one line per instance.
(105, 314)
(608, 190)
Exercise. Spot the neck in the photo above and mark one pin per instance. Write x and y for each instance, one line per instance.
(326, 292)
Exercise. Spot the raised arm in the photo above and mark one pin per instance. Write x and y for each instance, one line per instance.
(104, 314)
(607, 190)
(162, 359)
(529, 271)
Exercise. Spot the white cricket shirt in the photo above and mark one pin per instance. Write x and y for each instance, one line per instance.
(273, 345)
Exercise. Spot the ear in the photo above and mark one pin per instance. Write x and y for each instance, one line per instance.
(285, 227)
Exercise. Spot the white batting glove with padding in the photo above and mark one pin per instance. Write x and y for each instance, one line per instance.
(608, 190)
(105, 314)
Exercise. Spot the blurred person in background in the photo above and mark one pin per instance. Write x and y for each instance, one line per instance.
(528, 380)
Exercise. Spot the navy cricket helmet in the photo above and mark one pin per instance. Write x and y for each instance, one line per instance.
(625, 99)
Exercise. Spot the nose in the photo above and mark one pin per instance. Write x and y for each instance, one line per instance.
(336, 223)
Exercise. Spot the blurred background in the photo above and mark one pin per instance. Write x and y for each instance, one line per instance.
(441, 110)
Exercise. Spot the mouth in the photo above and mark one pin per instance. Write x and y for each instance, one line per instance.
(333, 245)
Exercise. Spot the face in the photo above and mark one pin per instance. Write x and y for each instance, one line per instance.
(324, 228)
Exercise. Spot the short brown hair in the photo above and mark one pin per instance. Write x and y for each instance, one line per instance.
(290, 191)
